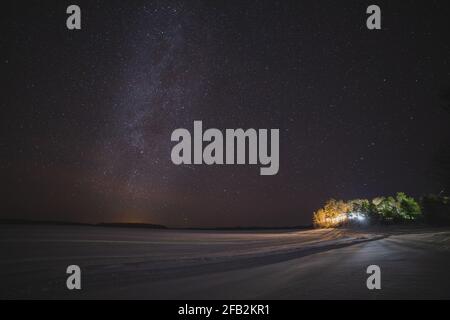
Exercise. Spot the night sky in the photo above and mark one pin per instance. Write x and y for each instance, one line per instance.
(87, 115)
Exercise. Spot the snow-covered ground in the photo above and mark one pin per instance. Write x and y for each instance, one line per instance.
(185, 264)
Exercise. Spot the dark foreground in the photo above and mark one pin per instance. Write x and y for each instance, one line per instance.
(177, 264)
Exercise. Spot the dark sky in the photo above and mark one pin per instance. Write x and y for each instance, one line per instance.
(87, 115)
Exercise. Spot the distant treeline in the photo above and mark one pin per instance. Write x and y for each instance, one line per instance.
(301, 227)
(144, 225)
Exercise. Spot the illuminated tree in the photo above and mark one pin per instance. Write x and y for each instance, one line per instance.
(366, 209)
(333, 214)
(382, 209)
(408, 208)
(387, 209)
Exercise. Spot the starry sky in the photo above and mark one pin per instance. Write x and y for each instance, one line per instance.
(87, 115)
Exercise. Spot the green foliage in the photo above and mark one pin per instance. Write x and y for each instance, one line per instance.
(397, 209)
(408, 208)
(400, 208)
(387, 209)
(366, 208)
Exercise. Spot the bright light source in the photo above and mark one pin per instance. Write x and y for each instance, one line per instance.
(356, 216)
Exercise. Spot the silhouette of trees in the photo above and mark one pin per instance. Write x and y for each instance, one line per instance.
(442, 157)
(436, 209)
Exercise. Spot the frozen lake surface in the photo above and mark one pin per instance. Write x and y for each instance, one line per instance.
(130, 263)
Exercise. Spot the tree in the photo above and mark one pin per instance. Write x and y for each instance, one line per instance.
(436, 209)
(366, 208)
(333, 214)
(387, 209)
(408, 208)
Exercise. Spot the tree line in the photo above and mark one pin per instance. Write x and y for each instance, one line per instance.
(397, 209)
